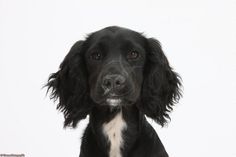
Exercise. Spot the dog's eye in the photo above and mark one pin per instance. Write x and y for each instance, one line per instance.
(132, 55)
(96, 55)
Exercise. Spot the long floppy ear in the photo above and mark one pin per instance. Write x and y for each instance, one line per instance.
(161, 86)
(69, 84)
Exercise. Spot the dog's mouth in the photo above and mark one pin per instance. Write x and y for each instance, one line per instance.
(111, 99)
(114, 98)
(114, 101)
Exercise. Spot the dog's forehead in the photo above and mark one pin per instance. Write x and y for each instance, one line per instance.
(116, 34)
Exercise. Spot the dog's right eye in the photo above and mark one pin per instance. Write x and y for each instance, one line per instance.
(96, 55)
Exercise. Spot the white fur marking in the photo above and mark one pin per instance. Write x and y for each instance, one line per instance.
(113, 130)
(114, 102)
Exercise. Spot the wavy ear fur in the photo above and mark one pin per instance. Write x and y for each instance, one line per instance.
(161, 86)
(69, 84)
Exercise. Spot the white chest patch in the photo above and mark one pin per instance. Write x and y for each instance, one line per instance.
(113, 130)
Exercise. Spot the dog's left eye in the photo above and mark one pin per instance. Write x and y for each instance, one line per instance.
(96, 55)
(132, 55)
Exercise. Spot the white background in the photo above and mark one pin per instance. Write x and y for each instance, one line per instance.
(198, 37)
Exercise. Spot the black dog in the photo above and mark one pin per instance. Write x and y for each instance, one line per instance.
(116, 76)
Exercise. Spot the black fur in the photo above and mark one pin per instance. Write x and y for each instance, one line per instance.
(151, 88)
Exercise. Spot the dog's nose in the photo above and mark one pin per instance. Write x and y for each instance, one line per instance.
(113, 81)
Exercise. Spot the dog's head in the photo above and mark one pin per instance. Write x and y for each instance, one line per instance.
(115, 58)
(115, 67)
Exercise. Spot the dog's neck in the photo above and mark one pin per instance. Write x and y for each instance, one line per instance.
(116, 129)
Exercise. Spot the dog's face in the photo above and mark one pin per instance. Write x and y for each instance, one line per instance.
(115, 61)
(115, 67)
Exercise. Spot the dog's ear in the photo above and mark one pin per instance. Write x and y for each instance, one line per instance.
(70, 85)
(161, 86)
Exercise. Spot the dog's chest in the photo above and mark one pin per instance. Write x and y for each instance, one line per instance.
(113, 131)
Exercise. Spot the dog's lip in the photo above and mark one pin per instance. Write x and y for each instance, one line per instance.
(113, 95)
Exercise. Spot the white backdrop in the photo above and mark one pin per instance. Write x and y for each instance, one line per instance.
(198, 37)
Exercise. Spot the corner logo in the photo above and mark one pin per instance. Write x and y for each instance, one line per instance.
(12, 155)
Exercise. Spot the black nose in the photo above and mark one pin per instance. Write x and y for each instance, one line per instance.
(113, 81)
